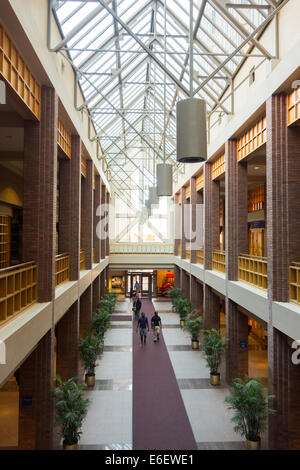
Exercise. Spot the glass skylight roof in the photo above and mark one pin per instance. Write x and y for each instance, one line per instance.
(130, 97)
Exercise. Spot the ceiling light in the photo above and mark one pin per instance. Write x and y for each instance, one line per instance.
(256, 168)
(191, 130)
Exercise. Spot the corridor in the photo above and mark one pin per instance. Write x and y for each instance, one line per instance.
(156, 396)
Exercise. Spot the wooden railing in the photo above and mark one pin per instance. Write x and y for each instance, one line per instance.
(295, 283)
(253, 269)
(187, 254)
(82, 260)
(18, 289)
(218, 261)
(199, 256)
(62, 268)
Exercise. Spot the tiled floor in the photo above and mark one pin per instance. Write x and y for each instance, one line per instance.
(108, 424)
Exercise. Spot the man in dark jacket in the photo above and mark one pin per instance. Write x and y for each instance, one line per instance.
(156, 326)
(143, 326)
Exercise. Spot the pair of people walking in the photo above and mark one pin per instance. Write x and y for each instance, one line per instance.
(143, 326)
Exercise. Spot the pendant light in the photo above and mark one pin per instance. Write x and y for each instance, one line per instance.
(191, 118)
(164, 171)
(164, 175)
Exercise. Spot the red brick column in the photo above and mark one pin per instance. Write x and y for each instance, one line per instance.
(177, 276)
(196, 294)
(103, 239)
(96, 293)
(67, 336)
(236, 209)
(185, 284)
(211, 215)
(195, 200)
(177, 225)
(236, 331)
(39, 203)
(36, 412)
(87, 205)
(211, 306)
(107, 238)
(102, 283)
(70, 206)
(86, 310)
(183, 215)
(283, 247)
(96, 218)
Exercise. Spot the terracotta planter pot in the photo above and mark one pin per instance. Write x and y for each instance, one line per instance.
(90, 380)
(195, 344)
(215, 379)
(252, 445)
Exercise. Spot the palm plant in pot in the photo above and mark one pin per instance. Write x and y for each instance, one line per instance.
(193, 325)
(251, 407)
(71, 408)
(182, 307)
(214, 346)
(90, 349)
(174, 293)
(100, 323)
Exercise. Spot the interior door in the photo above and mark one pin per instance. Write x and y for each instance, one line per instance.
(146, 285)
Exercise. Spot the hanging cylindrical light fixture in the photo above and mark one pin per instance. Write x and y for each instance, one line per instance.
(153, 198)
(164, 175)
(191, 130)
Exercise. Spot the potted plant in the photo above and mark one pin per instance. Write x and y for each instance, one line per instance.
(193, 324)
(71, 408)
(174, 293)
(100, 323)
(251, 407)
(183, 307)
(90, 349)
(213, 348)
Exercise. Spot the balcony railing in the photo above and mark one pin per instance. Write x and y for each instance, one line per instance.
(82, 260)
(18, 289)
(295, 283)
(218, 261)
(253, 269)
(62, 268)
(199, 256)
(141, 248)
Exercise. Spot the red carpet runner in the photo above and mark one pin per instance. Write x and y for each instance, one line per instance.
(160, 421)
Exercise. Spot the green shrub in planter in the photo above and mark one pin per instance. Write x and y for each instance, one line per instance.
(174, 293)
(101, 321)
(214, 346)
(182, 306)
(90, 349)
(251, 407)
(71, 408)
(193, 324)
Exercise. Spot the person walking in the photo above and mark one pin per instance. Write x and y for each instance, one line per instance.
(143, 326)
(156, 326)
(138, 305)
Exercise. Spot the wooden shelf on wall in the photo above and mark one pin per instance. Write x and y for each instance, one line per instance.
(63, 138)
(199, 256)
(200, 182)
